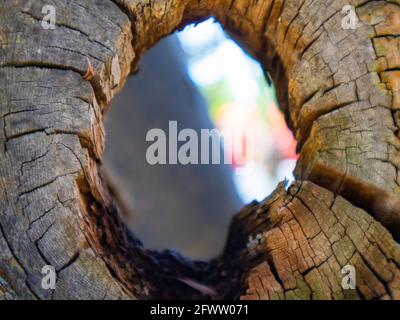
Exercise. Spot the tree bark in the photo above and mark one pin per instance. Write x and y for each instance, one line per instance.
(339, 90)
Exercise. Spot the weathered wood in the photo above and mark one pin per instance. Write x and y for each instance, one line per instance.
(346, 120)
(305, 237)
(338, 88)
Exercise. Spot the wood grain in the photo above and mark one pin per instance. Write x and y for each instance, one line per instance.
(339, 90)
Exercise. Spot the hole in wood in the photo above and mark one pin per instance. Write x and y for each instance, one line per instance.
(188, 207)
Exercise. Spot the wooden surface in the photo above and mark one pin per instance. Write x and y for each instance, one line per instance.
(339, 90)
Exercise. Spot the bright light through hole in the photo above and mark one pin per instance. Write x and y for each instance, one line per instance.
(239, 97)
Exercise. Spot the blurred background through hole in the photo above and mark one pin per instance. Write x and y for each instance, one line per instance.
(202, 79)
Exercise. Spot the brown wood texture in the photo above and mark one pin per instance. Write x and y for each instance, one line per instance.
(339, 90)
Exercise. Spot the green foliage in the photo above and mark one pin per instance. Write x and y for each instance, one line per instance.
(217, 94)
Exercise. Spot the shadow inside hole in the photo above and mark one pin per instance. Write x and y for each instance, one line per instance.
(185, 208)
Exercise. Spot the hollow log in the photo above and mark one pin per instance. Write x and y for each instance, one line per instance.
(339, 89)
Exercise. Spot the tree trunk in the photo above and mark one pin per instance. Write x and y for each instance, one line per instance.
(340, 92)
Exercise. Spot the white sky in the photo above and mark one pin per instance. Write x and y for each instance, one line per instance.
(227, 60)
